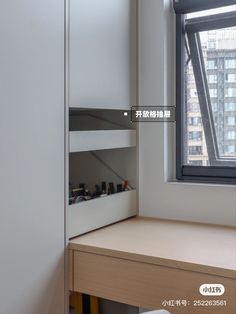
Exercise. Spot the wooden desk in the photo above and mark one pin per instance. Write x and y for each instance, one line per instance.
(143, 262)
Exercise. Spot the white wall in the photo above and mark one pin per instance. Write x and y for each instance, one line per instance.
(32, 157)
(158, 196)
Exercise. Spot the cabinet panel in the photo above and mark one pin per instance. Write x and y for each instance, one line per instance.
(102, 53)
(87, 216)
(81, 141)
(32, 157)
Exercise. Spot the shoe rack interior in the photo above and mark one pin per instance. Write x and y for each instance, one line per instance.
(102, 154)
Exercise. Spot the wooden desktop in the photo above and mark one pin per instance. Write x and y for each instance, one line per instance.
(146, 262)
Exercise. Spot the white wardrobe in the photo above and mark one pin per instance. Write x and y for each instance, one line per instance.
(101, 87)
(32, 157)
(52, 88)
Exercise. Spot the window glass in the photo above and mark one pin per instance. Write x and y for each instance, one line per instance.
(230, 77)
(213, 92)
(212, 64)
(230, 92)
(195, 135)
(214, 106)
(221, 80)
(230, 149)
(230, 106)
(231, 121)
(231, 135)
(230, 63)
(212, 78)
(196, 121)
(195, 150)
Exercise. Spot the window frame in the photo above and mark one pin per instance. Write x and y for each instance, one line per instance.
(215, 173)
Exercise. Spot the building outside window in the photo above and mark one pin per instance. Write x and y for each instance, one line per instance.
(217, 67)
(215, 60)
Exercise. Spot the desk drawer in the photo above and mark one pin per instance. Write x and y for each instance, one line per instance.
(147, 285)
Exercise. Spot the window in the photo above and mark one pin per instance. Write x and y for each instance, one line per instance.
(211, 44)
(230, 149)
(230, 63)
(195, 150)
(213, 92)
(212, 78)
(195, 121)
(206, 78)
(230, 92)
(230, 77)
(212, 64)
(195, 135)
(214, 106)
(231, 120)
(231, 106)
(231, 135)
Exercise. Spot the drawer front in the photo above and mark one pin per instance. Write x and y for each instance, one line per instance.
(147, 285)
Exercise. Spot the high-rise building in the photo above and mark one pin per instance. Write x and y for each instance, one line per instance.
(219, 52)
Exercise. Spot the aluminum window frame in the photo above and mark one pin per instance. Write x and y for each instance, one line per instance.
(216, 173)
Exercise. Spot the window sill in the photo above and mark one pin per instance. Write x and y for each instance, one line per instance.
(201, 184)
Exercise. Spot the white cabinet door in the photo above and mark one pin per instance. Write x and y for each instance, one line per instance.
(31, 157)
(102, 53)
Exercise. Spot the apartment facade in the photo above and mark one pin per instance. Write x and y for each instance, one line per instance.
(219, 52)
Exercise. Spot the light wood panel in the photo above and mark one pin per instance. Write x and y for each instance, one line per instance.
(188, 246)
(146, 285)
